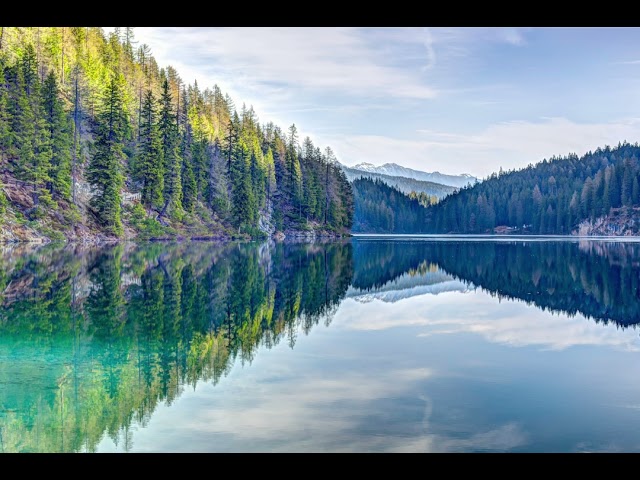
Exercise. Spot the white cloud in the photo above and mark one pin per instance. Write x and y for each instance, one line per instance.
(514, 323)
(501, 439)
(508, 145)
(513, 36)
(321, 58)
(629, 62)
(344, 86)
(310, 412)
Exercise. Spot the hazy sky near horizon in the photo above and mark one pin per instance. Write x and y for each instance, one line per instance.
(454, 100)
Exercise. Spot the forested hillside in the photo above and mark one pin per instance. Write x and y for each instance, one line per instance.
(561, 195)
(97, 139)
(380, 208)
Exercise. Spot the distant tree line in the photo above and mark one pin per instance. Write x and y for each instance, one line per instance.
(551, 197)
(380, 208)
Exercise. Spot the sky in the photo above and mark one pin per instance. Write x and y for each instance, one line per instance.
(453, 100)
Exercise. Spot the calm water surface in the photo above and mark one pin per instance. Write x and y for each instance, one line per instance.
(367, 345)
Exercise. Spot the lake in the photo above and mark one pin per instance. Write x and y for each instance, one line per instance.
(371, 344)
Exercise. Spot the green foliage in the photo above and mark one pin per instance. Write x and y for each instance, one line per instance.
(137, 214)
(148, 228)
(254, 233)
(243, 199)
(20, 218)
(105, 167)
(5, 118)
(59, 127)
(53, 235)
(29, 140)
(149, 164)
(189, 191)
(169, 135)
(423, 198)
(72, 215)
(380, 208)
(77, 98)
(552, 197)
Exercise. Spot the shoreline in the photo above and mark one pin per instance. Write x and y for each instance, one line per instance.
(302, 237)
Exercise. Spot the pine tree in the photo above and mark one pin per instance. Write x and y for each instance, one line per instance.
(270, 179)
(33, 140)
(244, 202)
(231, 138)
(294, 172)
(105, 170)
(626, 192)
(615, 187)
(149, 166)
(59, 127)
(128, 41)
(188, 186)
(170, 152)
(189, 191)
(258, 173)
(4, 115)
(219, 186)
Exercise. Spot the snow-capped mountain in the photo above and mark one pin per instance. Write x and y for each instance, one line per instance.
(393, 169)
(404, 184)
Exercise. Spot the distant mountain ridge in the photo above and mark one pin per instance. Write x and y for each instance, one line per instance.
(405, 184)
(395, 170)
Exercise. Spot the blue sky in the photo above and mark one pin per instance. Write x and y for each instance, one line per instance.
(454, 100)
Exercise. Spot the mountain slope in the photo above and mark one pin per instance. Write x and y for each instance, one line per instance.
(404, 184)
(380, 208)
(395, 170)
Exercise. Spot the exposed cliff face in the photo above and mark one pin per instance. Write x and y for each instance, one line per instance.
(265, 220)
(11, 232)
(624, 221)
(24, 220)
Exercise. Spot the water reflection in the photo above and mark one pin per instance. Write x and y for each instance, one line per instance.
(94, 342)
(599, 280)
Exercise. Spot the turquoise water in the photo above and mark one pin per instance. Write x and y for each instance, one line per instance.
(368, 345)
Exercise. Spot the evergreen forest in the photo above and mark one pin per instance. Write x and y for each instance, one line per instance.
(96, 137)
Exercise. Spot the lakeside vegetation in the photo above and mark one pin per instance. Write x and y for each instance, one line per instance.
(97, 139)
(598, 193)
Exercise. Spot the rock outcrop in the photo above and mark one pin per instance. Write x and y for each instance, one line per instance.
(624, 221)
